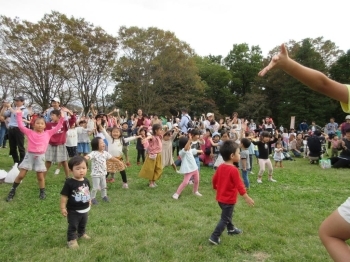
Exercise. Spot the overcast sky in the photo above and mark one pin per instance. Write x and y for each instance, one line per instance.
(209, 26)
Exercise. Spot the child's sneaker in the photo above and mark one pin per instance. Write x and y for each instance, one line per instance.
(176, 196)
(259, 181)
(42, 194)
(197, 193)
(128, 164)
(112, 180)
(94, 201)
(235, 231)
(125, 185)
(106, 199)
(11, 195)
(73, 244)
(178, 171)
(251, 172)
(57, 171)
(272, 180)
(85, 236)
(214, 241)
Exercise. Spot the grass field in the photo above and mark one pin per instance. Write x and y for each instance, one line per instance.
(146, 224)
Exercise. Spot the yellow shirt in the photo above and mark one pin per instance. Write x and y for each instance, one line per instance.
(344, 106)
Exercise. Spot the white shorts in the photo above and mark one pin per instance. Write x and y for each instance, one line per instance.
(344, 210)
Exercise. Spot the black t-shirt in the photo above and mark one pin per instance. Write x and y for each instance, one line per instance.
(78, 193)
(263, 148)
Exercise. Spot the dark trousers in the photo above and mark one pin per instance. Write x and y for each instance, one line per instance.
(225, 220)
(140, 154)
(337, 162)
(76, 223)
(16, 140)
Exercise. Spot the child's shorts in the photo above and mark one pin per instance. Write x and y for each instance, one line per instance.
(33, 161)
(56, 154)
(344, 210)
(72, 150)
(83, 148)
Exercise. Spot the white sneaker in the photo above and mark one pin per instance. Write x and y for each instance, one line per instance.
(125, 185)
(197, 193)
(178, 171)
(272, 180)
(57, 171)
(176, 196)
(259, 181)
(251, 173)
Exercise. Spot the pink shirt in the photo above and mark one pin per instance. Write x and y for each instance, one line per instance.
(335, 143)
(37, 142)
(154, 146)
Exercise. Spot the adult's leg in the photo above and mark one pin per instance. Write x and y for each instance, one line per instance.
(13, 144)
(20, 144)
(341, 163)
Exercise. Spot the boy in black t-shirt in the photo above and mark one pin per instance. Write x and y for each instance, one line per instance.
(76, 201)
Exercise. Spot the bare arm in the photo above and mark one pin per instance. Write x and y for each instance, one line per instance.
(63, 204)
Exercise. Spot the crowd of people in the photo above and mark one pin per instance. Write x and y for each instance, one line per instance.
(61, 136)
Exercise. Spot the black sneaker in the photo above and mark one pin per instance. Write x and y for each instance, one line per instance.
(11, 195)
(42, 195)
(213, 241)
(235, 231)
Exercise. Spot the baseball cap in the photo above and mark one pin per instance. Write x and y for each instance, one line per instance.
(56, 99)
(216, 134)
(347, 117)
(19, 98)
(210, 114)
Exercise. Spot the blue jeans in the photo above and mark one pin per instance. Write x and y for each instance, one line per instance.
(3, 130)
(245, 178)
(225, 220)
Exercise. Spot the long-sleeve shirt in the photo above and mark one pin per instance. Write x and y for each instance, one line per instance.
(263, 148)
(13, 120)
(154, 145)
(37, 142)
(228, 183)
(59, 138)
(115, 146)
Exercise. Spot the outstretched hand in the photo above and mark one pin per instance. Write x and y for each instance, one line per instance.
(277, 61)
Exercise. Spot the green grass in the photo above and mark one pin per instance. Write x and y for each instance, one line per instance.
(146, 224)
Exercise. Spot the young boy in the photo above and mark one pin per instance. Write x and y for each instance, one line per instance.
(228, 184)
(83, 138)
(244, 163)
(75, 201)
(335, 229)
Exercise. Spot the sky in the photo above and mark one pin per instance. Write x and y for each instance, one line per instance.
(208, 26)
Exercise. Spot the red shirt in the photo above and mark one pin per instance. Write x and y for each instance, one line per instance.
(59, 138)
(228, 183)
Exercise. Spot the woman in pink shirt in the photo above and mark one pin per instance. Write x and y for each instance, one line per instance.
(38, 141)
(152, 168)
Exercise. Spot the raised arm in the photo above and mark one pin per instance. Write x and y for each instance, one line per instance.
(314, 79)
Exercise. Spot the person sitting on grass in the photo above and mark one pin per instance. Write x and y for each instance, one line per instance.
(343, 160)
(38, 141)
(335, 229)
(76, 201)
(228, 183)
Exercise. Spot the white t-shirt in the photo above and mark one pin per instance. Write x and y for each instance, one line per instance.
(72, 137)
(188, 163)
(98, 163)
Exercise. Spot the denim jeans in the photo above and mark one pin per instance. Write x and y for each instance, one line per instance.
(3, 130)
(76, 223)
(225, 220)
(245, 178)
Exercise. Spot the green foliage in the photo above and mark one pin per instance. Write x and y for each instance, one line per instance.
(146, 224)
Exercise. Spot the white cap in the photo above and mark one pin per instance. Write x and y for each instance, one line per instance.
(210, 114)
(347, 117)
(56, 99)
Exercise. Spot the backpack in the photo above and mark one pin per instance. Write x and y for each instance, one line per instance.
(190, 123)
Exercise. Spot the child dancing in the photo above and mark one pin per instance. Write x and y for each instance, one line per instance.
(38, 141)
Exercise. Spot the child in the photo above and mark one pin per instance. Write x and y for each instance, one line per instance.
(167, 149)
(72, 141)
(98, 133)
(139, 146)
(57, 151)
(75, 201)
(38, 140)
(115, 148)
(278, 156)
(214, 150)
(188, 166)
(225, 135)
(335, 145)
(244, 162)
(152, 168)
(228, 184)
(335, 229)
(83, 138)
(125, 135)
(98, 158)
(251, 150)
(263, 148)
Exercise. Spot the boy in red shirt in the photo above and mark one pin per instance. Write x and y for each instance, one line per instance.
(228, 183)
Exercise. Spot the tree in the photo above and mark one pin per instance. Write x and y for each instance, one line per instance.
(244, 63)
(156, 71)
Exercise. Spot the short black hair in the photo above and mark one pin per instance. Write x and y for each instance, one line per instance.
(195, 132)
(347, 130)
(82, 122)
(182, 142)
(228, 147)
(245, 142)
(56, 112)
(94, 143)
(76, 160)
(156, 127)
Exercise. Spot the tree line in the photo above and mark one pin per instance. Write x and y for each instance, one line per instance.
(82, 64)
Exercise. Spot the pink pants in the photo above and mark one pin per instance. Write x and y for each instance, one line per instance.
(262, 163)
(187, 177)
